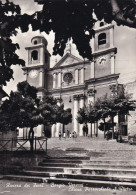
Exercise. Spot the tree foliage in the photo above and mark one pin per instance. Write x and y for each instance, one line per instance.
(21, 109)
(106, 106)
(24, 109)
(76, 19)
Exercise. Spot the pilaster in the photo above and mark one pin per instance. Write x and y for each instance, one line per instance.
(76, 76)
(112, 57)
(59, 79)
(82, 75)
(81, 106)
(54, 80)
(76, 97)
(92, 69)
(41, 78)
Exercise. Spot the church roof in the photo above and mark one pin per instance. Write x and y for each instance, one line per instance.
(68, 59)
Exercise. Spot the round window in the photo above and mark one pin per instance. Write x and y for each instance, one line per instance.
(68, 78)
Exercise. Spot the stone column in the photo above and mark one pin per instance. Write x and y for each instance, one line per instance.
(76, 76)
(111, 37)
(42, 56)
(59, 79)
(54, 80)
(112, 64)
(41, 77)
(75, 113)
(89, 129)
(93, 128)
(58, 125)
(92, 70)
(81, 106)
(53, 130)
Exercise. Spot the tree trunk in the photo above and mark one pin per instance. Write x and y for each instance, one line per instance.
(112, 119)
(91, 129)
(96, 129)
(31, 139)
(63, 128)
(104, 127)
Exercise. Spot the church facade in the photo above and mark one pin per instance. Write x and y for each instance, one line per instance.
(73, 81)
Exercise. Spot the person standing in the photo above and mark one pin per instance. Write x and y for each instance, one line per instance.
(64, 135)
(59, 135)
(73, 135)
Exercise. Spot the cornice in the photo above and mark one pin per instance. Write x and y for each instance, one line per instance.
(33, 67)
(105, 51)
(102, 28)
(101, 79)
(72, 88)
(35, 46)
(69, 66)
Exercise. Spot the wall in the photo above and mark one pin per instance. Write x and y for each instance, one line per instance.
(131, 89)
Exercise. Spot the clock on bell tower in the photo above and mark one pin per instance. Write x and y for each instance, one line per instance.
(38, 59)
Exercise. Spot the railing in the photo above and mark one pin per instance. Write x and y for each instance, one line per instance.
(17, 144)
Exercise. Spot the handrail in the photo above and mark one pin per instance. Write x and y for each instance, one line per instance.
(16, 144)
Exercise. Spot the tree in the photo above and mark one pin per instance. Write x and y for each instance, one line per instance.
(82, 116)
(24, 109)
(48, 109)
(104, 107)
(21, 110)
(63, 116)
(116, 105)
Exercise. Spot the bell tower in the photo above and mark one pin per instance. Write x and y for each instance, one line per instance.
(103, 51)
(38, 60)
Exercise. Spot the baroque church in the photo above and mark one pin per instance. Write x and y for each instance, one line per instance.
(73, 81)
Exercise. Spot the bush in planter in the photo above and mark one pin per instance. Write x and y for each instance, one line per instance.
(108, 135)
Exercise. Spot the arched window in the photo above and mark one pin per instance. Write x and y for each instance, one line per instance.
(35, 42)
(102, 39)
(34, 55)
(101, 23)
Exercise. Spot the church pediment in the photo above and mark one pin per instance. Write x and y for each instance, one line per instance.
(67, 60)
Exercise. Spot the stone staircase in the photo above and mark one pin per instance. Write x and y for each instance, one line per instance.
(78, 168)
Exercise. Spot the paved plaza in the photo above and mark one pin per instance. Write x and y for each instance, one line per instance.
(97, 147)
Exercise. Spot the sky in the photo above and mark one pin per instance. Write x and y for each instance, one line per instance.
(124, 40)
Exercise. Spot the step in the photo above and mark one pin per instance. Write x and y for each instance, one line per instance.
(85, 165)
(93, 171)
(100, 161)
(1, 177)
(63, 161)
(60, 164)
(71, 182)
(69, 158)
(81, 176)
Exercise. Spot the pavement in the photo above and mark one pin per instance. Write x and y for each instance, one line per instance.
(97, 148)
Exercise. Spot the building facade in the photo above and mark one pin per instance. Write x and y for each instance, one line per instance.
(73, 81)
